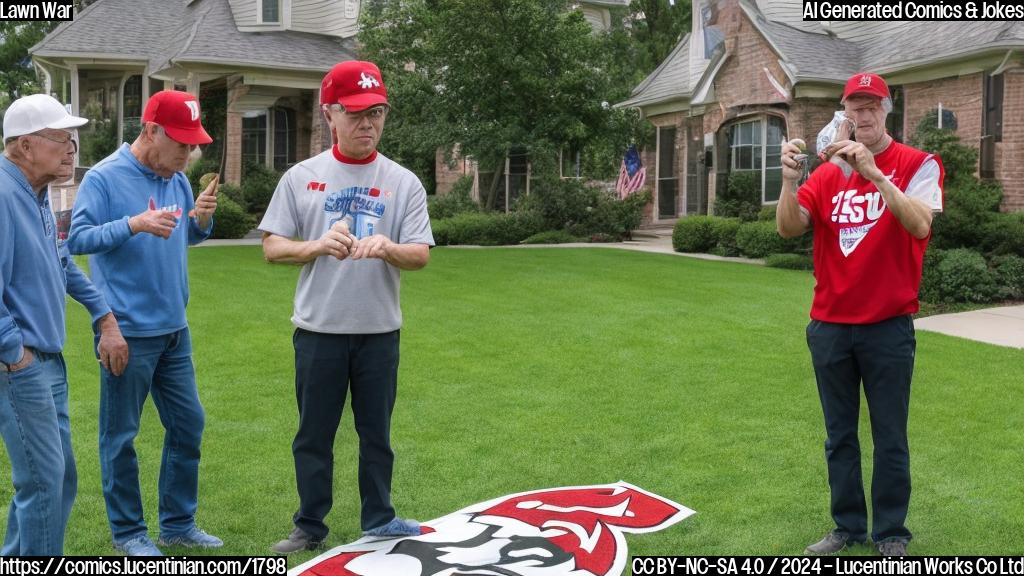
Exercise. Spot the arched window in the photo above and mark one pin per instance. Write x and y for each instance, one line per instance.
(755, 145)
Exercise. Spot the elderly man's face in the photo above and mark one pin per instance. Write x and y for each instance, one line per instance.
(53, 153)
(358, 133)
(167, 155)
(869, 116)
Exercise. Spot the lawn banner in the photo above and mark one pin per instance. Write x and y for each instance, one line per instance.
(569, 531)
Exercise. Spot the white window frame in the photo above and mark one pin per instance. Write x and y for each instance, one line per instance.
(280, 13)
(762, 120)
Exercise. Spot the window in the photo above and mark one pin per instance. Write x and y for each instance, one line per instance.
(992, 123)
(756, 146)
(270, 11)
(668, 179)
(894, 121)
(254, 139)
(284, 138)
(570, 159)
(132, 111)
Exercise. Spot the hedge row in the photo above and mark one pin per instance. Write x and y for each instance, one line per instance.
(730, 237)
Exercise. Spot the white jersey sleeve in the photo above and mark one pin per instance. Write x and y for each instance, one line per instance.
(281, 217)
(925, 185)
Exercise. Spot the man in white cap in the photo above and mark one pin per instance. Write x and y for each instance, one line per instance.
(871, 228)
(136, 216)
(354, 219)
(35, 274)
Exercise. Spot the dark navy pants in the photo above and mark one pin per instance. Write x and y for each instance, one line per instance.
(881, 356)
(327, 368)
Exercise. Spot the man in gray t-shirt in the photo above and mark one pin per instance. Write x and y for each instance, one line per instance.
(354, 219)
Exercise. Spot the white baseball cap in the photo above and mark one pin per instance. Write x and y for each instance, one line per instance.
(33, 113)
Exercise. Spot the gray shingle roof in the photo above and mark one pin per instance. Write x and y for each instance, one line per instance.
(168, 32)
(670, 80)
(812, 52)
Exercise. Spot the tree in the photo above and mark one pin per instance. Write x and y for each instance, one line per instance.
(494, 76)
(17, 75)
(658, 25)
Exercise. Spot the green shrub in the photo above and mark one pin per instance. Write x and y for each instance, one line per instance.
(1004, 234)
(228, 191)
(930, 290)
(742, 197)
(965, 277)
(230, 220)
(959, 161)
(457, 201)
(767, 213)
(693, 234)
(724, 230)
(970, 208)
(759, 239)
(258, 185)
(551, 237)
(486, 229)
(1009, 271)
(790, 261)
(197, 169)
(583, 210)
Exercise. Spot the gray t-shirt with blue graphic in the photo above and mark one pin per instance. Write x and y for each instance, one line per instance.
(381, 197)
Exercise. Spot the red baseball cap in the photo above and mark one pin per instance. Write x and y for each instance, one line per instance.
(178, 113)
(355, 84)
(867, 84)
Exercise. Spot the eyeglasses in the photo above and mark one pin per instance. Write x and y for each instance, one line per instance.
(375, 113)
(71, 137)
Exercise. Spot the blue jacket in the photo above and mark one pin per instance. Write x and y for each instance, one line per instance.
(143, 277)
(35, 271)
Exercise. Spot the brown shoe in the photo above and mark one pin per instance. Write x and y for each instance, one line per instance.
(833, 543)
(298, 540)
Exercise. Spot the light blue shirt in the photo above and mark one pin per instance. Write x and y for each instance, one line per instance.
(35, 271)
(143, 277)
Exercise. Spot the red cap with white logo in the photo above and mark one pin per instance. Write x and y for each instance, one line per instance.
(866, 84)
(178, 113)
(355, 84)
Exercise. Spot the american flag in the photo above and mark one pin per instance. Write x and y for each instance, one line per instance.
(632, 173)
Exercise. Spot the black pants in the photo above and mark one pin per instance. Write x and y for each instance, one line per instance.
(882, 356)
(327, 366)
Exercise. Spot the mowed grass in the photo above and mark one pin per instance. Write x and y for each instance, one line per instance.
(534, 368)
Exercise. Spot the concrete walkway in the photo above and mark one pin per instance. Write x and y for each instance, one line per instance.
(1002, 326)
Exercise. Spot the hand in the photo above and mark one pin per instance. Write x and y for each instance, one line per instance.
(337, 241)
(857, 156)
(112, 349)
(27, 357)
(792, 169)
(206, 204)
(375, 246)
(156, 222)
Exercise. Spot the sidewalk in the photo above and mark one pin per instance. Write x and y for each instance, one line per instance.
(1002, 326)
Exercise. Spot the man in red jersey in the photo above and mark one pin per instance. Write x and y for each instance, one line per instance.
(871, 229)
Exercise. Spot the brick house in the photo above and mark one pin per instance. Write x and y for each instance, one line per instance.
(751, 72)
(255, 64)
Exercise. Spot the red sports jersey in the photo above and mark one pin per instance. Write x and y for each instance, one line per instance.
(867, 265)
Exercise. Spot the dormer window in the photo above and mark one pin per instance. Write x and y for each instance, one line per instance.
(270, 11)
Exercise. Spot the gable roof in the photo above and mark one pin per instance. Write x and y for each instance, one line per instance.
(164, 33)
(669, 81)
(813, 52)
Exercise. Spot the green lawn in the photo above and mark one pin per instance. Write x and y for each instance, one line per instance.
(525, 369)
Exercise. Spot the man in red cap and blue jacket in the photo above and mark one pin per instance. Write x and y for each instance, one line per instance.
(136, 216)
(871, 228)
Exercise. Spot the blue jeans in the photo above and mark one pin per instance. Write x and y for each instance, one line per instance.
(36, 429)
(161, 365)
